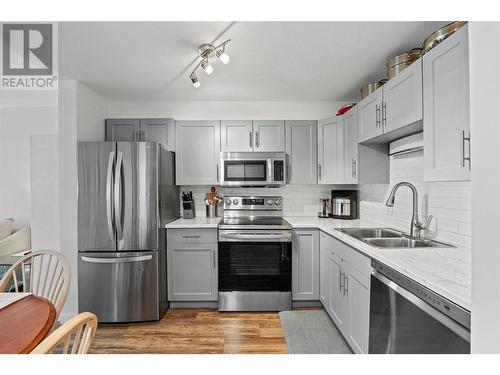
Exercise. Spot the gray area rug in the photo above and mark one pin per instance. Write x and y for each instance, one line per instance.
(312, 332)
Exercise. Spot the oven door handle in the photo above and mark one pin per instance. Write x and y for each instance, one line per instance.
(257, 236)
(419, 303)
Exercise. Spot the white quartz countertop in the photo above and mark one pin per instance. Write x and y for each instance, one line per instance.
(446, 271)
(196, 222)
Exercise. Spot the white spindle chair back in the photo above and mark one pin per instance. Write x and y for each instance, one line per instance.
(44, 273)
(73, 337)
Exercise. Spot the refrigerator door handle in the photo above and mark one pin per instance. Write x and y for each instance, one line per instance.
(118, 196)
(109, 203)
(117, 260)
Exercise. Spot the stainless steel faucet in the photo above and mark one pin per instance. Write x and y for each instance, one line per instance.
(416, 226)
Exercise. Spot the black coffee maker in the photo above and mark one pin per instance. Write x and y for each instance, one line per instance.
(344, 204)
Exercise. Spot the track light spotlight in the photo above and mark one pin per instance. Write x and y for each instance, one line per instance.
(207, 67)
(194, 80)
(222, 56)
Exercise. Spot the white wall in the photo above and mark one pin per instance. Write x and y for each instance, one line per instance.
(225, 110)
(23, 115)
(485, 152)
(91, 113)
(68, 187)
(81, 117)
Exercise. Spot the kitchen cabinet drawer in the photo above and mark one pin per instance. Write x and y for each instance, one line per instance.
(357, 260)
(192, 236)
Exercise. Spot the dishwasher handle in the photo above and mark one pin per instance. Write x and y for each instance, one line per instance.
(424, 306)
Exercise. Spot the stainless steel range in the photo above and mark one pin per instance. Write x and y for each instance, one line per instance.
(255, 255)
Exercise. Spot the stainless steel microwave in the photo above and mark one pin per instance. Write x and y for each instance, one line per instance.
(253, 168)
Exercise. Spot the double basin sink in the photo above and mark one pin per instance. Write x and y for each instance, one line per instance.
(389, 238)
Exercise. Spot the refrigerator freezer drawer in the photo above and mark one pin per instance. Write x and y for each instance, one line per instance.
(119, 286)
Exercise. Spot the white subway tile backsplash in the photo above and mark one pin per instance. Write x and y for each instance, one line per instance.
(298, 200)
(448, 202)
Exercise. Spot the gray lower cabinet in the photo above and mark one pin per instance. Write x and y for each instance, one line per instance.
(345, 290)
(161, 130)
(302, 151)
(192, 265)
(305, 265)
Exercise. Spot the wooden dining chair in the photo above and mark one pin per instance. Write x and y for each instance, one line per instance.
(44, 273)
(73, 337)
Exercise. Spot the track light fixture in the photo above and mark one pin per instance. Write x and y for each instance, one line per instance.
(205, 52)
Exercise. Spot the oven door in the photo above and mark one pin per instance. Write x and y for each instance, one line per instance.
(246, 172)
(255, 271)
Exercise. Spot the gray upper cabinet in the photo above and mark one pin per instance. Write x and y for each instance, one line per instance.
(198, 152)
(269, 135)
(236, 136)
(446, 110)
(370, 116)
(305, 265)
(351, 146)
(160, 130)
(330, 149)
(123, 130)
(403, 98)
(301, 148)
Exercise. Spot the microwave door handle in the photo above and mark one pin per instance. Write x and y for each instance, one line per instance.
(414, 300)
(270, 178)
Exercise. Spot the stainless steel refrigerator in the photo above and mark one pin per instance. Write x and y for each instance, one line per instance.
(126, 195)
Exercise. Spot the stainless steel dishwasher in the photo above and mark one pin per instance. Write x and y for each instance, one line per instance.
(406, 317)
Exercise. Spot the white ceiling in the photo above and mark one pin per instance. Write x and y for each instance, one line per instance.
(270, 61)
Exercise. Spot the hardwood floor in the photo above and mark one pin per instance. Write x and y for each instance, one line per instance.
(195, 331)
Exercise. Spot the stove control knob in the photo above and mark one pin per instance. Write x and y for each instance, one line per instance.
(235, 201)
(277, 202)
(269, 202)
(228, 201)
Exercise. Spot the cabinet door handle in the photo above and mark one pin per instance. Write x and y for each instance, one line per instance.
(289, 177)
(319, 171)
(213, 256)
(384, 114)
(191, 236)
(217, 167)
(377, 116)
(341, 276)
(137, 137)
(257, 141)
(143, 136)
(346, 282)
(464, 158)
(250, 141)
